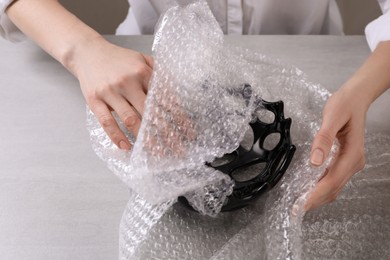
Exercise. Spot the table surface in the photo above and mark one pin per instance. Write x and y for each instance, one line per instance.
(57, 199)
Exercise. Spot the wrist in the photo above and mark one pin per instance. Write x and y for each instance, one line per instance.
(359, 92)
(359, 89)
(74, 52)
(372, 78)
(51, 26)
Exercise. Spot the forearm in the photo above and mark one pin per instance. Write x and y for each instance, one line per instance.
(51, 26)
(373, 77)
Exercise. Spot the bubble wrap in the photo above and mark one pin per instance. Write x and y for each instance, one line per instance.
(196, 111)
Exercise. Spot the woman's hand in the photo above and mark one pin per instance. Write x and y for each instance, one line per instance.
(343, 118)
(113, 78)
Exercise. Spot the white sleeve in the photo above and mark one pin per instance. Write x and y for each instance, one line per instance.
(379, 29)
(7, 29)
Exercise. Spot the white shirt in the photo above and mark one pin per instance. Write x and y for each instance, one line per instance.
(243, 17)
(247, 16)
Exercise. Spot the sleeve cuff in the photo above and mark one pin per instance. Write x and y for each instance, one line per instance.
(378, 31)
(7, 29)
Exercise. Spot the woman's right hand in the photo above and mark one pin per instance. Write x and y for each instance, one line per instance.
(113, 78)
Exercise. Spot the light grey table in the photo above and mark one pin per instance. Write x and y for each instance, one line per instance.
(57, 199)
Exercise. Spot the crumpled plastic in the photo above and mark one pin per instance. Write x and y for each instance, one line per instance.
(195, 112)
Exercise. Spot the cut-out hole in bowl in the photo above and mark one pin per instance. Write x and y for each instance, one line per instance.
(247, 141)
(249, 172)
(271, 141)
(265, 116)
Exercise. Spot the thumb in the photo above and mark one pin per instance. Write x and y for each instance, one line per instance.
(322, 144)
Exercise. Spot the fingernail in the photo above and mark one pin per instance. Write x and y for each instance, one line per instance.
(317, 157)
(124, 146)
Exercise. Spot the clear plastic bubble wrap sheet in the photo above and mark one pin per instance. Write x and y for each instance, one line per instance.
(196, 110)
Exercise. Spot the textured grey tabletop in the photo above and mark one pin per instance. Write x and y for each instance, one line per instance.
(57, 199)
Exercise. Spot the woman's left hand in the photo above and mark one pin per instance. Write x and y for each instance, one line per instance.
(343, 118)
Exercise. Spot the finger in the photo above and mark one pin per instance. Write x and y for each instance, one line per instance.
(172, 131)
(321, 146)
(136, 97)
(110, 126)
(324, 174)
(178, 117)
(145, 73)
(345, 166)
(324, 139)
(149, 60)
(323, 193)
(146, 79)
(126, 112)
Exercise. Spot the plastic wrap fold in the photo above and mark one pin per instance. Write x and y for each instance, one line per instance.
(196, 111)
